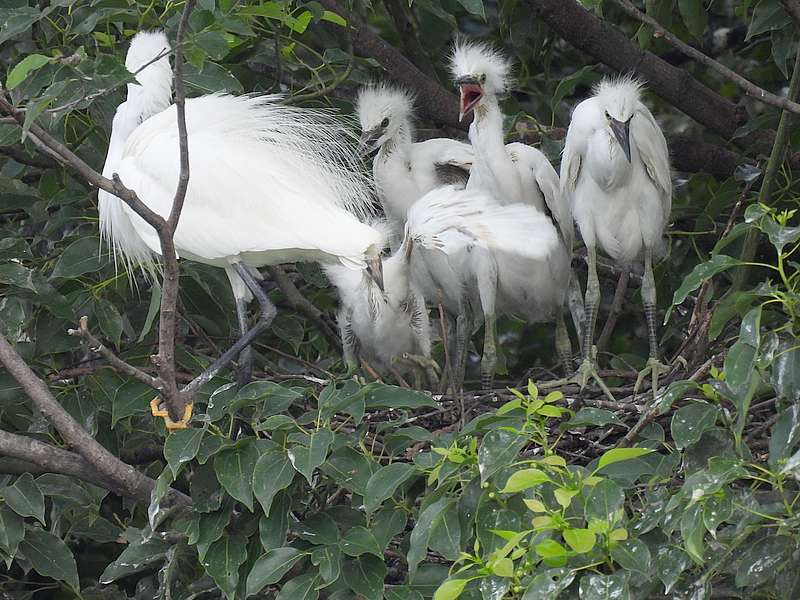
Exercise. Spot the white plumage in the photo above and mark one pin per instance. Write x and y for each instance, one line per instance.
(516, 173)
(402, 169)
(615, 174)
(268, 183)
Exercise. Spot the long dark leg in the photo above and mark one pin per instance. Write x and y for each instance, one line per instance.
(591, 304)
(246, 355)
(616, 307)
(649, 302)
(563, 345)
(463, 329)
(268, 312)
(489, 358)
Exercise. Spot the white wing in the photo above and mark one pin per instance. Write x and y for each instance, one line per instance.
(260, 188)
(536, 171)
(652, 146)
(442, 161)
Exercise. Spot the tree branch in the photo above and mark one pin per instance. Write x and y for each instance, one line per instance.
(438, 104)
(126, 479)
(792, 7)
(20, 155)
(748, 87)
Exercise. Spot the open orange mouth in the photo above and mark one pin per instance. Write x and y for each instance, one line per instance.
(471, 93)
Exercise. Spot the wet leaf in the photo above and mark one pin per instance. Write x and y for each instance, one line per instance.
(633, 555)
(498, 449)
(762, 560)
(446, 533)
(548, 585)
(12, 530)
(784, 436)
(691, 421)
(604, 587)
(605, 499)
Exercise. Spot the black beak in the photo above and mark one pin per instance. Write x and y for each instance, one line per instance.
(471, 92)
(375, 271)
(368, 142)
(622, 131)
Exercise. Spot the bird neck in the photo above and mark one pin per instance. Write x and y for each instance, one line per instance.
(494, 168)
(124, 123)
(403, 137)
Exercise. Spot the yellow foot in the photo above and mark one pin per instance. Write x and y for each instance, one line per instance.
(158, 410)
(655, 367)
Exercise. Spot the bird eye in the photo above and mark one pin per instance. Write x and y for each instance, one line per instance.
(608, 116)
(385, 123)
(482, 78)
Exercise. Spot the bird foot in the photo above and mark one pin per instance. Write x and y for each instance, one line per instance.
(654, 367)
(588, 371)
(421, 364)
(158, 409)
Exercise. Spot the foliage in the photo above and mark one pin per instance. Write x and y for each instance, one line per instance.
(307, 483)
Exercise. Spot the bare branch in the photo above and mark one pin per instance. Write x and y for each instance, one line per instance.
(117, 363)
(19, 154)
(748, 87)
(125, 478)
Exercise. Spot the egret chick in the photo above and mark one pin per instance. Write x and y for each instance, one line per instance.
(387, 328)
(405, 170)
(269, 184)
(615, 173)
(518, 173)
(462, 243)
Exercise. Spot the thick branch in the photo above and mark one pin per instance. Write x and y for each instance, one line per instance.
(748, 87)
(19, 154)
(128, 480)
(437, 103)
(609, 45)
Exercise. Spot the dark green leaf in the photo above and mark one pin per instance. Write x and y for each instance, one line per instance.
(786, 371)
(80, 257)
(222, 562)
(604, 587)
(605, 499)
(272, 473)
(420, 535)
(181, 447)
(350, 469)
(272, 529)
(700, 274)
(446, 533)
(548, 585)
(474, 7)
(633, 555)
(365, 576)
(319, 529)
(498, 449)
(137, 557)
(784, 436)
(300, 588)
(305, 459)
(359, 540)
(693, 530)
(694, 17)
(763, 559)
(383, 483)
(691, 421)
(12, 530)
(670, 562)
(271, 567)
(380, 395)
(597, 417)
(234, 468)
(25, 498)
(210, 528)
(329, 561)
(50, 556)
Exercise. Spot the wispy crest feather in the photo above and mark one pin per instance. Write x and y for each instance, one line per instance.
(470, 57)
(379, 100)
(623, 91)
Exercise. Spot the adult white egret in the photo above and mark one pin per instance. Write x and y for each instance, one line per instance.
(269, 184)
(404, 170)
(615, 173)
(516, 172)
(466, 252)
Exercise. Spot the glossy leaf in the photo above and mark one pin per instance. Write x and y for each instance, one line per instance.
(50, 556)
(25, 498)
(181, 447)
(365, 576)
(271, 567)
(498, 449)
(272, 473)
(305, 459)
(384, 482)
(691, 421)
(222, 562)
(234, 468)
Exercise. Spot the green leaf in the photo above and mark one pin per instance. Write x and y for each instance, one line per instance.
(350, 469)
(365, 576)
(273, 528)
(305, 459)
(767, 16)
(18, 20)
(524, 479)
(446, 533)
(50, 557)
(761, 560)
(329, 561)
(785, 377)
(222, 562)
(450, 589)
(211, 526)
(304, 587)
(319, 529)
(548, 585)
(12, 530)
(700, 274)
(619, 454)
(380, 395)
(670, 562)
(211, 78)
(137, 557)
(271, 567)
(420, 535)
(498, 449)
(633, 555)
(234, 467)
(273, 472)
(334, 18)
(784, 436)
(152, 311)
(604, 587)
(109, 319)
(384, 482)
(580, 540)
(474, 7)
(22, 68)
(605, 499)
(359, 540)
(691, 421)
(130, 398)
(553, 553)
(25, 498)
(80, 257)
(567, 85)
(181, 447)
(693, 530)
(694, 16)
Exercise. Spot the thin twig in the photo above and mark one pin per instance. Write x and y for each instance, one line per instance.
(748, 87)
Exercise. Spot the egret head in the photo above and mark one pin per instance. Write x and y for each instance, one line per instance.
(480, 72)
(619, 98)
(383, 112)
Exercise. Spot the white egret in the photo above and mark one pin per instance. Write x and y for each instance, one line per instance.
(404, 170)
(269, 184)
(615, 173)
(456, 237)
(387, 328)
(538, 288)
